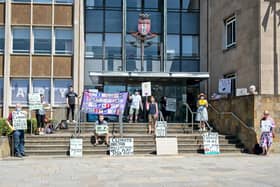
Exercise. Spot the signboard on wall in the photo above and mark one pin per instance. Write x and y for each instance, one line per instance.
(225, 86)
(241, 91)
(171, 104)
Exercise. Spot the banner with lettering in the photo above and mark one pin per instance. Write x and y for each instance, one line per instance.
(103, 103)
(19, 120)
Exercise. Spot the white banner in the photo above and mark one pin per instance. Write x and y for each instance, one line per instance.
(146, 89)
(34, 101)
(225, 86)
(19, 120)
(266, 125)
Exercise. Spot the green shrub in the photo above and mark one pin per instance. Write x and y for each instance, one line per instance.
(4, 130)
(34, 125)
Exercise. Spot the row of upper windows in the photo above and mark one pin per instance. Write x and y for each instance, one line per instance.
(41, 40)
(42, 1)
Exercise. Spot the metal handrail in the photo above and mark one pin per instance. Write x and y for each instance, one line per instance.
(188, 109)
(233, 115)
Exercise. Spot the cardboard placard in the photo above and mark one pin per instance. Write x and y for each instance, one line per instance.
(146, 89)
(76, 147)
(34, 101)
(121, 146)
(266, 125)
(167, 146)
(161, 128)
(101, 129)
(19, 120)
(211, 143)
(241, 91)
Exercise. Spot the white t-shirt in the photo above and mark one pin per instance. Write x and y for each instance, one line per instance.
(136, 100)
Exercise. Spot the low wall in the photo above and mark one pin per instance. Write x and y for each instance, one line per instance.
(249, 109)
(5, 150)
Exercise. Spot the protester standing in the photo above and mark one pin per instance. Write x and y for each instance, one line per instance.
(267, 135)
(202, 114)
(41, 115)
(135, 106)
(152, 108)
(101, 121)
(71, 102)
(18, 135)
(165, 113)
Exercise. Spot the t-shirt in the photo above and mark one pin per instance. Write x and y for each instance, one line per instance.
(136, 100)
(71, 97)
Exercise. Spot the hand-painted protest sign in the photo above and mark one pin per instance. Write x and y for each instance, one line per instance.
(266, 125)
(225, 86)
(34, 101)
(161, 128)
(211, 143)
(19, 120)
(171, 104)
(101, 129)
(146, 89)
(76, 147)
(121, 146)
(103, 103)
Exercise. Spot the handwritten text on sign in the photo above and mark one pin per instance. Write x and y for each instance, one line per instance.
(161, 127)
(19, 120)
(211, 143)
(121, 146)
(101, 129)
(34, 101)
(76, 147)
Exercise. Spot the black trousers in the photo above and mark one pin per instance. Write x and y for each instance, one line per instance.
(72, 108)
(40, 120)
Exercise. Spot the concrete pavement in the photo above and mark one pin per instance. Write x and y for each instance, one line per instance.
(183, 171)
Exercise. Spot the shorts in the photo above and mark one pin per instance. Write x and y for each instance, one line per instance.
(152, 117)
(131, 111)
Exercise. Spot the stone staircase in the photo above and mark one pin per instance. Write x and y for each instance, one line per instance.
(58, 143)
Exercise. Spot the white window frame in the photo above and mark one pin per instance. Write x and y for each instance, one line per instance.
(229, 21)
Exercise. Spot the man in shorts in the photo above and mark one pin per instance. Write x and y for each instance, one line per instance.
(136, 105)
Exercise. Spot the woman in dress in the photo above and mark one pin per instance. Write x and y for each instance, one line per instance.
(267, 129)
(202, 114)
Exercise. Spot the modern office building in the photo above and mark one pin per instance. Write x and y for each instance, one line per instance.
(47, 45)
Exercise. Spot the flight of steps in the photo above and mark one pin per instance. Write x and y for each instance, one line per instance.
(58, 143)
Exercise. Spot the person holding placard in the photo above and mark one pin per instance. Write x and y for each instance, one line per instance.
(152, 108)
(17, 119)
(101, 130)
(267, 132)
(135, 106)
(202, 114)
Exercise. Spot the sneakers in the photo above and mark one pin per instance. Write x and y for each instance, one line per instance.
(73, 121)
(18, 155)
(68, 121)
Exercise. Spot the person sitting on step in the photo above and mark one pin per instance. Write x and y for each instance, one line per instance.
(101, 130)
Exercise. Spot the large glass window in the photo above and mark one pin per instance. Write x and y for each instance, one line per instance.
(21, 40)
(21, 0)
(1, 90)
(64, 1)
(63, 41)
(113, 45)
(61, 87)
(190, 46)
(2, 39)
(113, 21)
(42, 86)
(19, 90)
(113, 3)
(230, 32)
(173, 46)
(94, 21)
(190, 23)
(94, 3)
(94, 45)
(42, 1)
(42, 40)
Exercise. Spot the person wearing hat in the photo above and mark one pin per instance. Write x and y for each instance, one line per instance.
(202, 114)
(267, 132)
